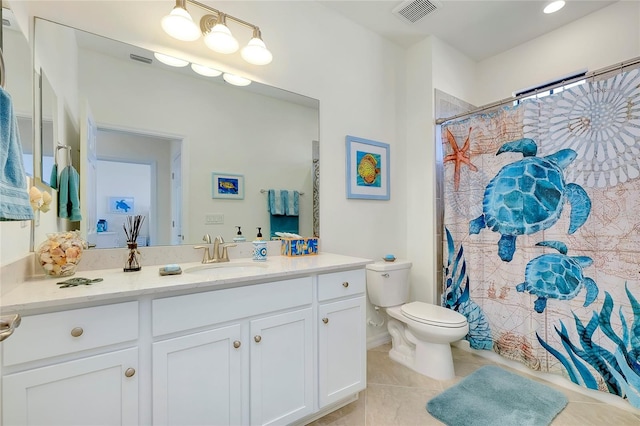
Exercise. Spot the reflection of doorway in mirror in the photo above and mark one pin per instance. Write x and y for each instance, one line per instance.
(128, 182)
(25, 127)
(177, 236)
(134, 151)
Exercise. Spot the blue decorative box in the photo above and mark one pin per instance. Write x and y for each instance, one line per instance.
(299, 246)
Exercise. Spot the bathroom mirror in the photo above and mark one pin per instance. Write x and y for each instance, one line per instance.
(47, 122)
(162, 133)
(16, 52)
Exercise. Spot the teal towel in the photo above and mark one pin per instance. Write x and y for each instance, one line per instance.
(14, 198)
(53, 179)
(281, 223)
(68, 195)
(277, 201)
(292, 208)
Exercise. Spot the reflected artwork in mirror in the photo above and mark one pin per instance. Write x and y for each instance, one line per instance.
(143, 130)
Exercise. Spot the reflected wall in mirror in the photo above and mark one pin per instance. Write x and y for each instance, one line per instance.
(18, 83)
(48, 122)
(161, 131)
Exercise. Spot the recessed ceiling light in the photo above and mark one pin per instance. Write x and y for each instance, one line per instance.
(235, 79)
(554, 6)
(206, 71)
(170, 60)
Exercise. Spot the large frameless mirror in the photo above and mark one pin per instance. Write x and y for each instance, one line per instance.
(161, 136)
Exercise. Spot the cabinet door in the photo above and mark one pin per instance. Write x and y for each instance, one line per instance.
(89, 391)
(197, 379)
(281, 368)
(342, 359)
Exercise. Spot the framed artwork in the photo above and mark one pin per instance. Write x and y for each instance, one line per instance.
(121, 205)
(367, 169)
(226, 185)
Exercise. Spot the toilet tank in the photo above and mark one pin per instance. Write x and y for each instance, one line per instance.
(388, 283)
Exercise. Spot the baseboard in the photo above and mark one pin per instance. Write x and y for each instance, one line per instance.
(378, 339)
(606, 398)
(327, 410)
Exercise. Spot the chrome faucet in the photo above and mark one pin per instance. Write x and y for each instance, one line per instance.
(218, 243)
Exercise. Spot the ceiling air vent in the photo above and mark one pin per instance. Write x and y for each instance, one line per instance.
(413, 10)
(140, 58)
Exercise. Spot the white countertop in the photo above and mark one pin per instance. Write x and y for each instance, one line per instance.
(42, 292)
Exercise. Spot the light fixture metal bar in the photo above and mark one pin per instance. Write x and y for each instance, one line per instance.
(218, 12)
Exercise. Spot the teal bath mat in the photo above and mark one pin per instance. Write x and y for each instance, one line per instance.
(493, 396)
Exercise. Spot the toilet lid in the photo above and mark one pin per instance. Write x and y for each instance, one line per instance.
(433, 314)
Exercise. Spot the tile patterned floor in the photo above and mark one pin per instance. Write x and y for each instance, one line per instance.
(396, 395)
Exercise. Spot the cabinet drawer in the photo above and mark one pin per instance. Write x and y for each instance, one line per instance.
(340, 284)
(179, 313)
(59, 333)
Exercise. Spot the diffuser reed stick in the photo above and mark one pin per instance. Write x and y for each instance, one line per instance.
(131, 230)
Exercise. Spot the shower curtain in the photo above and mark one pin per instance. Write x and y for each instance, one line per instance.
(542, 232)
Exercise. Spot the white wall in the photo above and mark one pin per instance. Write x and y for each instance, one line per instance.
(225, 129)
(355, 74)
(606, 37)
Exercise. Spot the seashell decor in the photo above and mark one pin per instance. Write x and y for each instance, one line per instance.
(60, 253)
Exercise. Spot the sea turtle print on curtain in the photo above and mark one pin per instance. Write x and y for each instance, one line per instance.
(580, 150)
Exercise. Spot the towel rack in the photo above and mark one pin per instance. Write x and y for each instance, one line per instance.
(2, 71)
(266, 190)
(67, 147)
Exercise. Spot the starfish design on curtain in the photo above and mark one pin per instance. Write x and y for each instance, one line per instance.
(459, 156)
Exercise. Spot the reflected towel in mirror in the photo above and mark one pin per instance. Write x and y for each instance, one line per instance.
(14, 198)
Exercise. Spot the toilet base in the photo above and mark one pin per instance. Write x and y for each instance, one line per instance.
(433, 360)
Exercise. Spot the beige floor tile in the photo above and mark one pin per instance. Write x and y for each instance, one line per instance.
(587, 414)
(398, 405)
(350, 415)
(397, 396)
(383, 371)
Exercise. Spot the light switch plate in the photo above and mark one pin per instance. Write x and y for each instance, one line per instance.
(214, 219)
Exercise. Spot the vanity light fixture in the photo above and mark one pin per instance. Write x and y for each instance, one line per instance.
(170, 60)
(179, 24)
(206, 71)
(217, 36)
(235, 79)
(554, 6)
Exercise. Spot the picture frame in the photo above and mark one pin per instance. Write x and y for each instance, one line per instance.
(367, 169)
(227, 185)
(121, 205)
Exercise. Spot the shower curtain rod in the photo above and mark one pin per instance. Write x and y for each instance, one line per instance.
(620, 66)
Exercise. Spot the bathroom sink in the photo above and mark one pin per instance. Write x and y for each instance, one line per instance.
(225, 268)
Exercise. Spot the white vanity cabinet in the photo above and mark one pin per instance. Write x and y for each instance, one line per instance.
(276, 348)
(342, 353)
(73, 368)
(257, 338)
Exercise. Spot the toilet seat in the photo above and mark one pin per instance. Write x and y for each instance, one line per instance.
(438, 316)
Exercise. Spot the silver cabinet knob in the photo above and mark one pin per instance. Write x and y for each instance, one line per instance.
(345, 284)
(129, 372)
(257, 338)
(236, 344)
(77, 331)
(325, 320)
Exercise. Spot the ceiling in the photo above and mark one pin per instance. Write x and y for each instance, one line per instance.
(479, 29)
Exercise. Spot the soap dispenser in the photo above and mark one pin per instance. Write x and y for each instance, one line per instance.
(239, 238)
(259, 247)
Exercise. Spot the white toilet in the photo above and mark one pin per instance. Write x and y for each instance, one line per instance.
(421, 333)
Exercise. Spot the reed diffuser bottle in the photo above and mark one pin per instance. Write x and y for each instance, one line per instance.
(131, 231)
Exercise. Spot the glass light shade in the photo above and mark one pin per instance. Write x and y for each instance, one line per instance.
(170, 60)
(179, 24)
(236, 80)
(206, 71)
(554, 6)
(255, 52)
(220, 40)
